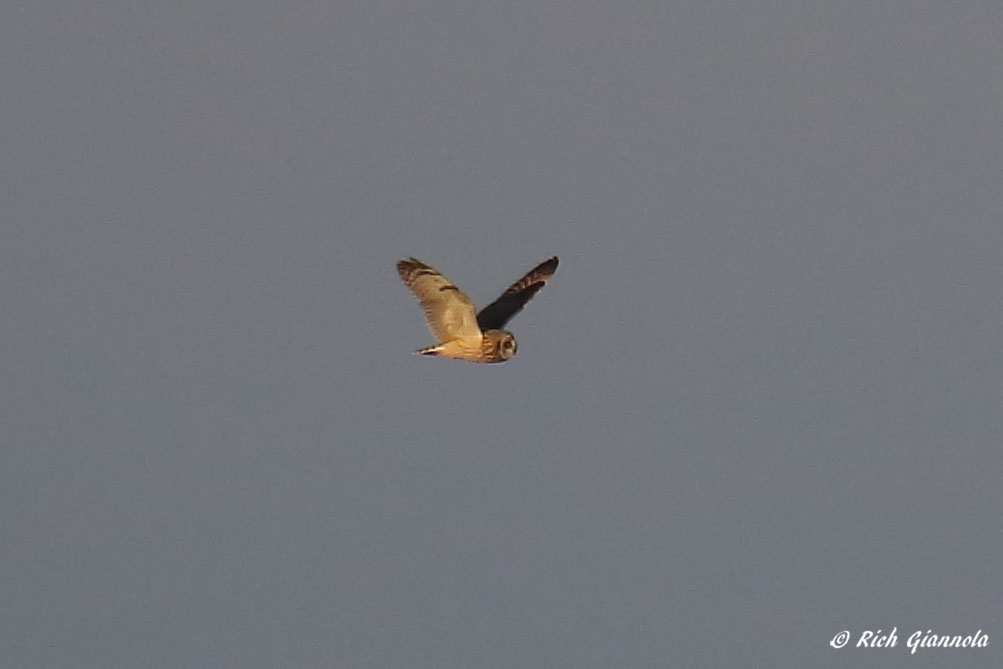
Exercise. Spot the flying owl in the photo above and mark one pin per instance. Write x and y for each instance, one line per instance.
(461, 332)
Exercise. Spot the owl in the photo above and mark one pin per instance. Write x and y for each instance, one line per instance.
(459, 330)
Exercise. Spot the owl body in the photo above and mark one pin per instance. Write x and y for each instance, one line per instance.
(460, 331)
(491, 346)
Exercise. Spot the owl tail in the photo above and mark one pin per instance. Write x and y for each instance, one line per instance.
(431, 350)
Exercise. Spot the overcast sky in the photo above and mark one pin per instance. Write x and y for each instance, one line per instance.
(759, 403)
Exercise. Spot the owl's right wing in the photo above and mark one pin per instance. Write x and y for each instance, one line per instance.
(449, 313)
(498, 313)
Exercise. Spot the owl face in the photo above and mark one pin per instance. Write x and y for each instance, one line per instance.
(507, 345)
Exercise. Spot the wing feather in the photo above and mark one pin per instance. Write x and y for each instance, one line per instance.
(498, 313)
(448, 311)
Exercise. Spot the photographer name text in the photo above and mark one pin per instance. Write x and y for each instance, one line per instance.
(918, 640)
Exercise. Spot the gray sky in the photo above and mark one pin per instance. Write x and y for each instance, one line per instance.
(759, 404)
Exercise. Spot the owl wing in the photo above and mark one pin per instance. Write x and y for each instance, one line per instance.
(449, 313)
(498, 313)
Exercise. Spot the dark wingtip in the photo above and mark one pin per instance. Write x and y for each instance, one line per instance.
(548, 266)
(412, 264)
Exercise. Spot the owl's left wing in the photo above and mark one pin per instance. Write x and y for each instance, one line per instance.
(448, 311)
(498, 313)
